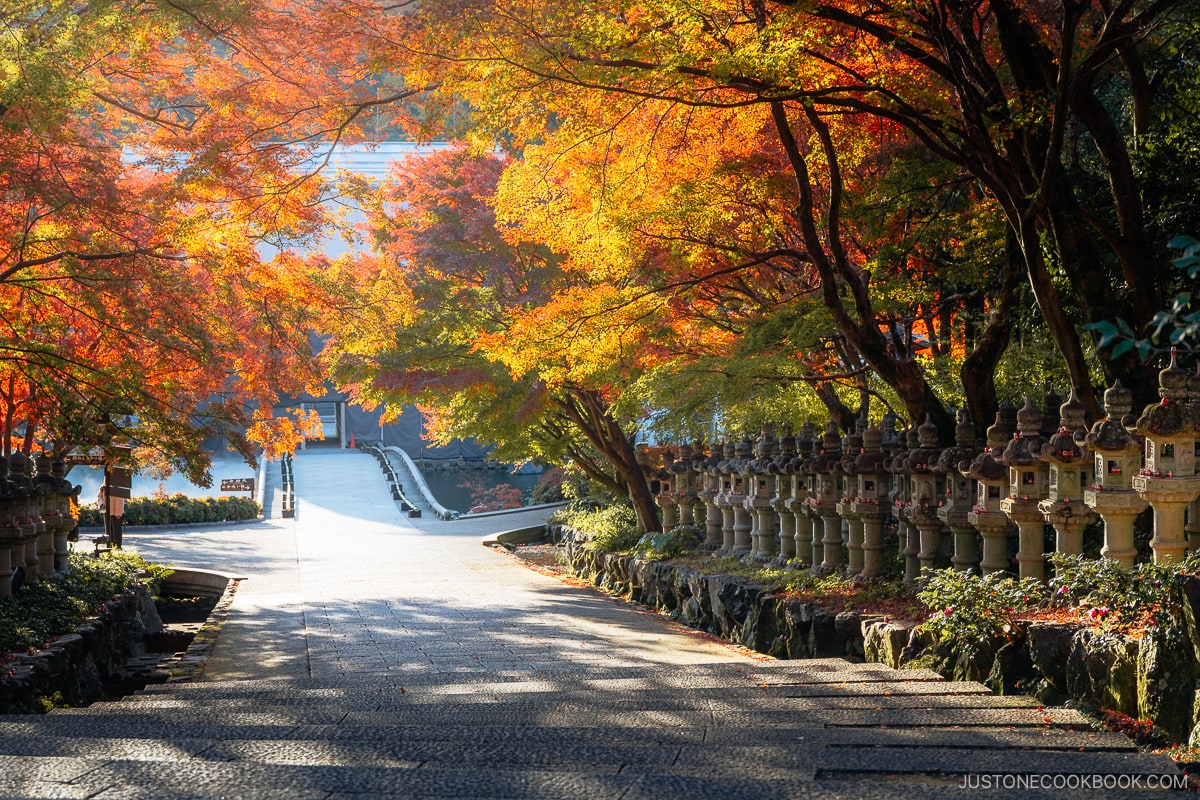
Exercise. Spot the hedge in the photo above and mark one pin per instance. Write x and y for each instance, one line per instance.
(178, 509)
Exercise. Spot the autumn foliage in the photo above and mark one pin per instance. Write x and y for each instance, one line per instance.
(158, 164)
(681, 216)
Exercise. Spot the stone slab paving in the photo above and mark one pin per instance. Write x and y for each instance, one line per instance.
(372, 655)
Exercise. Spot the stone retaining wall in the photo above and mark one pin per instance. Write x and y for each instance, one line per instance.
(77, 668)
(1154, 677)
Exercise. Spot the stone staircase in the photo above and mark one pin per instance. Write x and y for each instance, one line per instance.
(811, 729)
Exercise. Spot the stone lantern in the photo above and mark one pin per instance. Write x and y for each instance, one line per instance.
(812, 505)
(799, 481)
(13, 540)
(1168, 479)
(1070, 470)
(760, 490)
(29, 517)
(737, 496)
(784, 492)
(960, 494)
(925, 491)
(726, 469)
(823, 500)
(991, 482)
(1118, 456)
(1193, 513)
(67, 492)
(665, 496)
(1051, 405)
(684, 487)
(901, 499)
(708, 485)
(870, 501)
(50, 513)
(852, 446)
(1028, 485)
(705, 467)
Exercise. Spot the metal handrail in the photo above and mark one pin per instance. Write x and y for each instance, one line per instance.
(440, 510)
(393, 480)
(289, 486)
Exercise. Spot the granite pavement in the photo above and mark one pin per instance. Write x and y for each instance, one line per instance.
(369, 654)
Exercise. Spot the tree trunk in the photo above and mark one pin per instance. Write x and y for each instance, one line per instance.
(978, 373)
(587, 410)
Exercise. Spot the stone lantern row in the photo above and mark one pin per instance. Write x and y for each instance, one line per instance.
(35, 519)
(799, 500)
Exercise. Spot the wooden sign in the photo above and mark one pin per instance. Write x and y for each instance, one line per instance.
(98, 458)
(83, 460)
(118, 481)
(237, 485)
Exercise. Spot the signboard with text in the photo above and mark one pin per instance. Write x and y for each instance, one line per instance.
(237, 485)
(84, 459)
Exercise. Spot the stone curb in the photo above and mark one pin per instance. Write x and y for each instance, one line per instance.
(191, 664)
(532, 534)
(517, 510)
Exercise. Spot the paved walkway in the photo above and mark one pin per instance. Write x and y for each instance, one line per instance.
(372, 655)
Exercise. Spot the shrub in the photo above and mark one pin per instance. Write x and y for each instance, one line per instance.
(667, 544)
(178, 509)
(612, 529)
(51, 607)
(1113, 597)
(493, 498)
(90, 517)
(970, 612)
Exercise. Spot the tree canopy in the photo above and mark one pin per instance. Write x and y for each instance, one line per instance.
(152, 156)
(701, 206)
(1032, 113)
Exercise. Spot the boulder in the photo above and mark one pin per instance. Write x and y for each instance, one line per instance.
(1049, 646)
(884, 642)
(1166, 680)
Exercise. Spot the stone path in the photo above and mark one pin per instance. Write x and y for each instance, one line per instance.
(371, 655)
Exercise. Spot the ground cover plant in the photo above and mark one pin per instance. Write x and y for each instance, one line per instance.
(40, 611)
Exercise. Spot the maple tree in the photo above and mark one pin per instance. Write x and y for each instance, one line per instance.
(448, 313)
(700, 215)
(1042, 105)
(150, 154)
